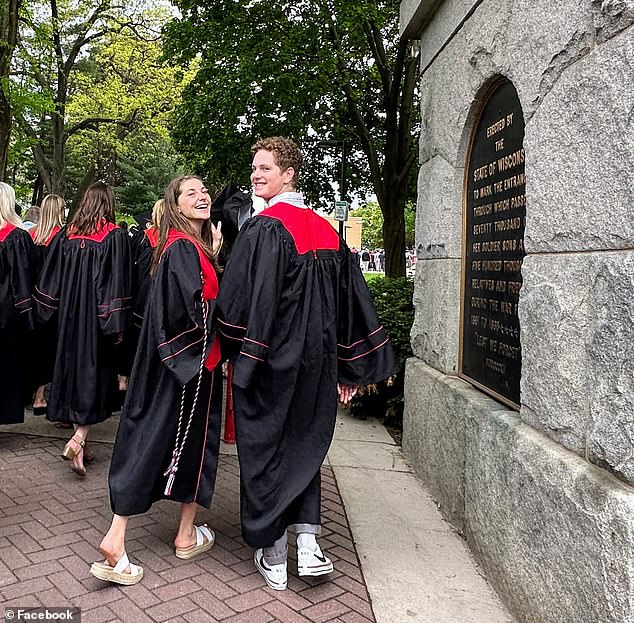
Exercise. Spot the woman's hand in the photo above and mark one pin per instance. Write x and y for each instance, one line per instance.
(216, 236)
(346, 393)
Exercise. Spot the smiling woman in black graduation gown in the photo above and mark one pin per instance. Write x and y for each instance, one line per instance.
(168, 439)
(86, 281)
(16, 257)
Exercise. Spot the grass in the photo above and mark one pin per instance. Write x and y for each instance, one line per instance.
(370, 276)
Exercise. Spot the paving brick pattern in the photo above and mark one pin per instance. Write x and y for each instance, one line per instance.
(51, 523)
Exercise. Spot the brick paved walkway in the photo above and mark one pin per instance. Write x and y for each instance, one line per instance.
(51, 523)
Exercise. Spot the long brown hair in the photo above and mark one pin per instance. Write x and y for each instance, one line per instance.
(51, 215)
(96, 205)
(171, 218)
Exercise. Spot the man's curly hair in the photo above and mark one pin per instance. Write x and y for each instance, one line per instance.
(285, 153)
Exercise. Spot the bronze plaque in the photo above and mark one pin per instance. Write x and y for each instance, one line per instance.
(494, 219)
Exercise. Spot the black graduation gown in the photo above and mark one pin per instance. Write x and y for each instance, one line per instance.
(44, 342)
(168, 357)
(142, 251)
(86, 281)
(233, 209)
(297, 317)
(16, 320)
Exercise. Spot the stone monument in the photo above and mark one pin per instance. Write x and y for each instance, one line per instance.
(519, 409)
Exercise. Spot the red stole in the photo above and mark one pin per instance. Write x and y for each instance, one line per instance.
(6, 230)
(210, 286)
(105, 227)
(33, 234)
(152, 236)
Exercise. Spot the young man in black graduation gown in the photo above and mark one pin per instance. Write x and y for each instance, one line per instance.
(16, 320)
(298, 319)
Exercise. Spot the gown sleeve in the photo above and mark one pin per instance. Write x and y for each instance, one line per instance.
(176, 312)
(249, 294)
(47, 290)
(21, 265)
(114, 277)
(364, 352)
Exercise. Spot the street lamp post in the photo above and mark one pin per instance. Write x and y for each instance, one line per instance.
(343, 191)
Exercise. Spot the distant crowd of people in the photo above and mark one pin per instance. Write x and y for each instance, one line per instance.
(370, 260)
(374, 260)
(96, 313)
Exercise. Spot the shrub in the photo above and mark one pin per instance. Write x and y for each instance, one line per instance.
(393, 301)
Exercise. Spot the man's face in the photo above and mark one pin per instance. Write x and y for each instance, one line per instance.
(267, 178)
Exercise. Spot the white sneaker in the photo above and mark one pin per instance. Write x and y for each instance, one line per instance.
(275, 575)
(313, 562)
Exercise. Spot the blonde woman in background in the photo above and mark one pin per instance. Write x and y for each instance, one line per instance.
(51, 222)
(16, 260)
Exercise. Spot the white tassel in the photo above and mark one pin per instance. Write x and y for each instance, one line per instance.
(170, 482)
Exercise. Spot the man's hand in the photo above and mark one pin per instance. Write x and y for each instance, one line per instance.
(346, 393)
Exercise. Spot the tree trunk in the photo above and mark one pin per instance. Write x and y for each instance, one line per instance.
(8, 38)
(394, 236)
(38, 191)
(5, 132)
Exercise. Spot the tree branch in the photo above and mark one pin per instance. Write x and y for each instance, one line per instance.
(406, 107)
(373, 36)
(92, 123)
(363, 135)
(82, 37)
(42, 162)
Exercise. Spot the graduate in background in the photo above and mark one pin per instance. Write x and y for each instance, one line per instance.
(45, 337)
(16, 320)
(299, 320)
(143, 243)
(143, 246)
(168, 440)
(86, 282)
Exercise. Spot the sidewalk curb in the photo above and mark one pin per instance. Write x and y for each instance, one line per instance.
(416, 567)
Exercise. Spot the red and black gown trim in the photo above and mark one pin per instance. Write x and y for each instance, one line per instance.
(296, 318)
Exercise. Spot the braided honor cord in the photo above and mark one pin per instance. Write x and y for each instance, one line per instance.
(180, 443)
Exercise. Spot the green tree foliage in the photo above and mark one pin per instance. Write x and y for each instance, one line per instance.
(372, 230)
(82, 66)
(393, 302)
(144, 171)
(410, 224)
(124, 79)
(320, 70)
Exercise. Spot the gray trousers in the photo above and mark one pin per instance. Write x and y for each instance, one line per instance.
(277, 553)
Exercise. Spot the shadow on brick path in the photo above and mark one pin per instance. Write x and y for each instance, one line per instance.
(51, 523)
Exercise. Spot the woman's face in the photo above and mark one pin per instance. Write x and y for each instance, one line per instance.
(194, 202)
(267, 178)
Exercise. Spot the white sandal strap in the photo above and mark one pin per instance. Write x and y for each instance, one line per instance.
(201, 532)
(122, 564)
